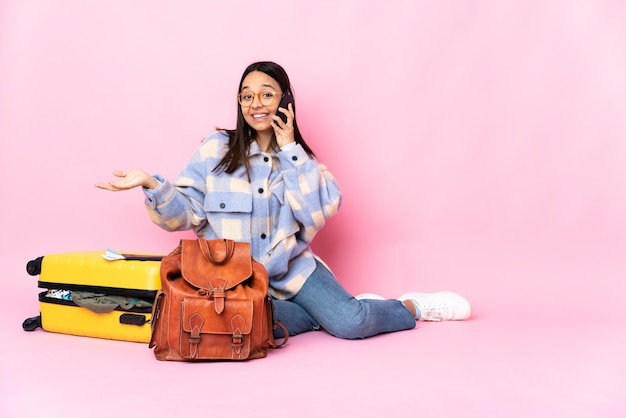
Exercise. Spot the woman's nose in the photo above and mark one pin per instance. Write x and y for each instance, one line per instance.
(256, 101)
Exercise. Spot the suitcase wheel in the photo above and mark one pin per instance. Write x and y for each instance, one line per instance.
(32, 324)
(33, 267)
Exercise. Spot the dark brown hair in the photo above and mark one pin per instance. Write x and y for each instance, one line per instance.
(243, 134)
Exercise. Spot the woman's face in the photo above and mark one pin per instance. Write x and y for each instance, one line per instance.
(259, 98)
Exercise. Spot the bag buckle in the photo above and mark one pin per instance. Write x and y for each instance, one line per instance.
(218, 291)
(195, 322)
(237, 323)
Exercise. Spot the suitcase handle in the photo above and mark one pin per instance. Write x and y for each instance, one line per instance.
(132, 319)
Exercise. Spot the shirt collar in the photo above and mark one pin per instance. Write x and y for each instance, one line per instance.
(256, 150)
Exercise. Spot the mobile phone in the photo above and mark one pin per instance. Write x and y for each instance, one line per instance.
(284, 102)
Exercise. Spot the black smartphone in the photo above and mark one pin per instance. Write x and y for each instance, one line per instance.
(284, 102)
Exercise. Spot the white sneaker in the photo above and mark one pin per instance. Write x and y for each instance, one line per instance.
(440, 306)
(369, 296)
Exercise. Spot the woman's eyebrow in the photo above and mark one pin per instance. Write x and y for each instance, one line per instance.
(262, 85)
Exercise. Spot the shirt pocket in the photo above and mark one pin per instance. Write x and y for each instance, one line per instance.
(228, 202)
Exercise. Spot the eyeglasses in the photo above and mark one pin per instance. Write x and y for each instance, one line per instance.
(266, 97)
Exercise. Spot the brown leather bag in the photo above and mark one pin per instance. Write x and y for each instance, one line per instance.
(213, 304)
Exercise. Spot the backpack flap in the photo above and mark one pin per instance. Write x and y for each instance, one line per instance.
(207, 334)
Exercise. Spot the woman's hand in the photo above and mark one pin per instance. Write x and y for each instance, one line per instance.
(129, 180)
(284, 131)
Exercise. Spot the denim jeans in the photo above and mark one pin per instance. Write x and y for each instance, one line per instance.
(323, 302)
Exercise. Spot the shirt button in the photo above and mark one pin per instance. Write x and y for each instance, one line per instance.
(266, 159)
(260, 190)
(295, 158)
(263, 236)
(222, 205)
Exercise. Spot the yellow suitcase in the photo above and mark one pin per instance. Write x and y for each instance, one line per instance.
(83, 289)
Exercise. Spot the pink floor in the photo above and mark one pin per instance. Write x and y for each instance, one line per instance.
(559, 354)
(480, 147)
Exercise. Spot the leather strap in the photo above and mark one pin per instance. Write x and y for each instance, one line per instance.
(276, 323)
(218, 291)
(156, 316)
(195, 324)
(285, 332)
(229, 250)
(237, 323)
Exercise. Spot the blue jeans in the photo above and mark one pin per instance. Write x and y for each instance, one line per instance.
(323, 302)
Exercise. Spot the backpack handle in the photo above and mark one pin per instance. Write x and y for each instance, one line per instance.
(229, 250)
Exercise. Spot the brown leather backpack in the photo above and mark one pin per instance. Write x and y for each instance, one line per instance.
(213, 304)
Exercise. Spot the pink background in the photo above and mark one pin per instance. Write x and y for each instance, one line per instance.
(480, 146)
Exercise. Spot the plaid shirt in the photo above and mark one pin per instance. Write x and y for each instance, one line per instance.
(279, 211)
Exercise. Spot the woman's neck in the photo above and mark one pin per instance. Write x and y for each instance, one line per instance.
(264, 141)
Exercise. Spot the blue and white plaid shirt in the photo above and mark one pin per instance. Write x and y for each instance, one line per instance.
(287, 201)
